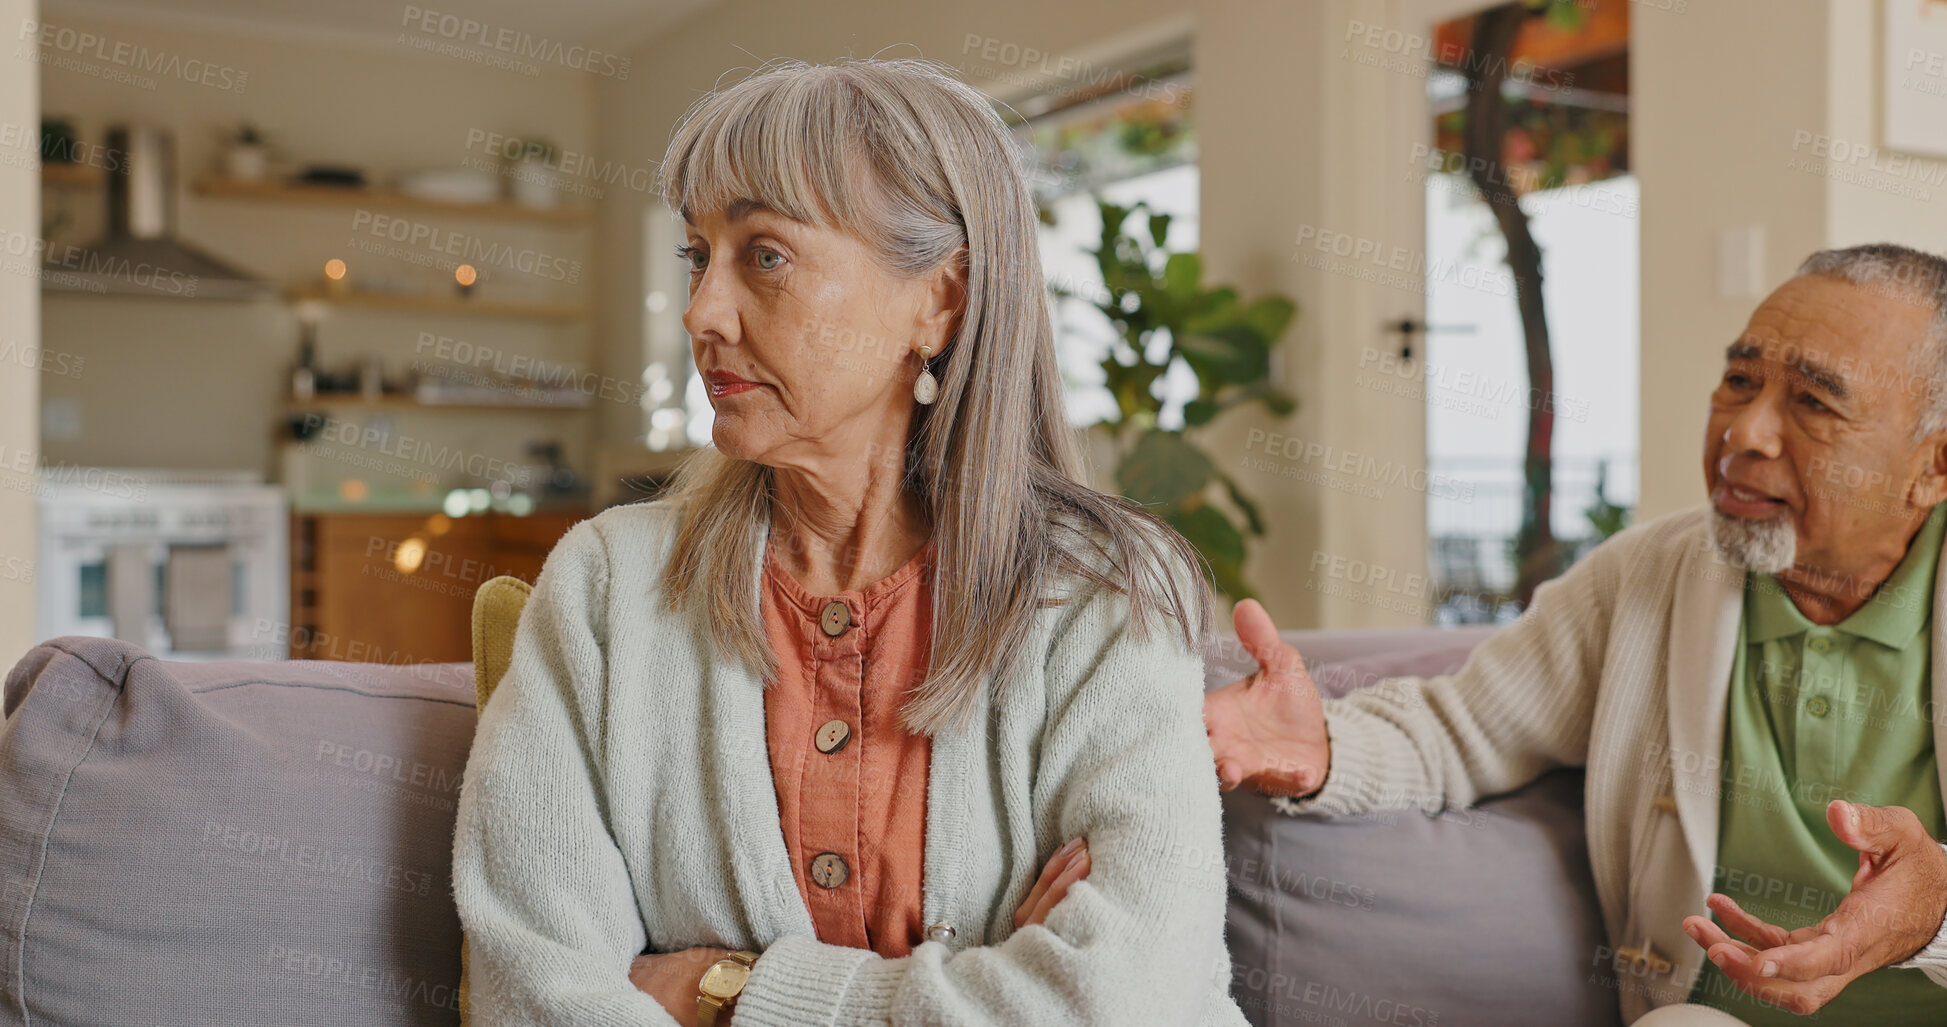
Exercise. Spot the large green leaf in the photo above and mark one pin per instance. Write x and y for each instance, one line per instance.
(1270, 316)
(1274, 399)
(1221, 544)
(1252, 518)
(1181, 273)
(1163, 468)
(1159, 228)
(1226, 354)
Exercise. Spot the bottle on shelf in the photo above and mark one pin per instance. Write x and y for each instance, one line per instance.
(304, 375)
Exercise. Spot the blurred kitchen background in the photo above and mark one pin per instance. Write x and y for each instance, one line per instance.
(314, 316)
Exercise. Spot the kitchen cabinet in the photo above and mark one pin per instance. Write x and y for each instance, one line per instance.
(398, 588)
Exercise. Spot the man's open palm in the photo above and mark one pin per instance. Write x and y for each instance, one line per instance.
(1895, 908)
(1268, 730)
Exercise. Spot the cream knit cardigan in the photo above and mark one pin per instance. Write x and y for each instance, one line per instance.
(619, 799)
(1622, 665)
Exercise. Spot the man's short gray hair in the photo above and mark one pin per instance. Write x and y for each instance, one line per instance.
(1909, 276)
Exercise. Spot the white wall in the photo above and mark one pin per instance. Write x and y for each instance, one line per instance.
(19, 327)
(1885, 196)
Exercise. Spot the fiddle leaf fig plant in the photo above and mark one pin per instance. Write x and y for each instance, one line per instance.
(1164, 314)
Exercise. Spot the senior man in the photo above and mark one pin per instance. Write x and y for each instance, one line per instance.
(1751, 684)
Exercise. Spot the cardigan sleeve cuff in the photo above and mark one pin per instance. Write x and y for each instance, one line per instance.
(800, 980)
(1351, 783)
(1931, 960)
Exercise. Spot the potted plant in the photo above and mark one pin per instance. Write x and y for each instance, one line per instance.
(1163, 313)
(246, 158)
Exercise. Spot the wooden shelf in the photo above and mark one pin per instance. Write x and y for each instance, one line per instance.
(355, 196)
(435, 304)
(71, 176)
(397, 402)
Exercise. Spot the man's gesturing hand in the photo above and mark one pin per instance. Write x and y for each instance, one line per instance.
(1898, 898)
(1268, 730)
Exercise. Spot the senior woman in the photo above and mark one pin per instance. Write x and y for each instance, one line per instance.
(801, 743)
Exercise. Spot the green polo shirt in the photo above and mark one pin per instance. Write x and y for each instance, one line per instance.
(1820, 713)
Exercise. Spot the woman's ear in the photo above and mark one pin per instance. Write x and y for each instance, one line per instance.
(945, 304)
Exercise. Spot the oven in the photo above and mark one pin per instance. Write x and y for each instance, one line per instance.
(189, 565)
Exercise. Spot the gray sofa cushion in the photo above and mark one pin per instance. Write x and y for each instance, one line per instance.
(269, 843)
(229, 843)
(1480, 916)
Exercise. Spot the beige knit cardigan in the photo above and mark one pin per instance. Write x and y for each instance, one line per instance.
(1622, 665)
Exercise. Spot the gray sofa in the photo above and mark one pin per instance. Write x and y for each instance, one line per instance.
(268, 843)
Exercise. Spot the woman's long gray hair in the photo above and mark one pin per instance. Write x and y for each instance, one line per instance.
(920, 166)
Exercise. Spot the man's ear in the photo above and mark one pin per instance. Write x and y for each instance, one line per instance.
(945, 303)
(1930, 486)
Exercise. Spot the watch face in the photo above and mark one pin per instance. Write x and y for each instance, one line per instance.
(725, 978)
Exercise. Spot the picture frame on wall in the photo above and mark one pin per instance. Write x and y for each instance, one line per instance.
(1913, 56)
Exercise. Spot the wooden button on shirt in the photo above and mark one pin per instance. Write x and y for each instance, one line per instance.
(851, 783)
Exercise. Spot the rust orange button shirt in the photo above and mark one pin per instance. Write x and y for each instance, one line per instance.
(851, 782)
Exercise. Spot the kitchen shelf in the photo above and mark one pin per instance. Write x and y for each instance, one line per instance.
(71, 176)
(360, 196)
(396, 402)
(434, 304)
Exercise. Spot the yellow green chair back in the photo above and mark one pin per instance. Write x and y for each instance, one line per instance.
(496, 612)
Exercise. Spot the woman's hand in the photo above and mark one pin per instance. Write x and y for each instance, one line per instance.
(1068, 865)
(674, 979)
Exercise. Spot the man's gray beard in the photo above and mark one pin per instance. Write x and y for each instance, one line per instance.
(1763, 546)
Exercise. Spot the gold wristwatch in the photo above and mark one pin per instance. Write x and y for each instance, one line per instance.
(721, 985)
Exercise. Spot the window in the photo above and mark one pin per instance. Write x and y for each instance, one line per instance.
(1125, 135)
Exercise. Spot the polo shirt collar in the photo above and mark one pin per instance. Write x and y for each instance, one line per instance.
(1896, 614)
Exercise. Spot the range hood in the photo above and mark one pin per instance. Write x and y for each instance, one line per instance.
(140, 254)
